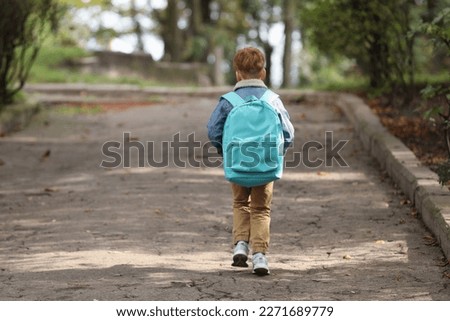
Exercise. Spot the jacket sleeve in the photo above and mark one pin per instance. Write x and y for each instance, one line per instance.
(216, 123)
(288, 128)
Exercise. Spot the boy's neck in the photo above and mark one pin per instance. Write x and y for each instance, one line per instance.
(250, 83)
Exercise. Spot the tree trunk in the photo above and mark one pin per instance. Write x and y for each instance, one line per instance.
(219, 78)
(196, 17)
(268, 50)
(137, 27)
(289, 21)
(173, 43)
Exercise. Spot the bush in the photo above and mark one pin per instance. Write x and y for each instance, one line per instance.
(23, 24)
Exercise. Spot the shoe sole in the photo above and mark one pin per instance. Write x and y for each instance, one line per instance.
(261, 271)
(240, 260)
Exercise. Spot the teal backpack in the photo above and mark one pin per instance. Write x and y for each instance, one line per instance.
(252, 141)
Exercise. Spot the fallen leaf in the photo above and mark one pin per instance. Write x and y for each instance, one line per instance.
(45, 155)
(430, 240)
(405, 201)
(443, 263)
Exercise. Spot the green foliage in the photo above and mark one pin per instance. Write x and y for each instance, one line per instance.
(443, 172)
(53, 61)
(81, 3)
(49, 61)
(438, 31)
(373, 33)
(23, 24)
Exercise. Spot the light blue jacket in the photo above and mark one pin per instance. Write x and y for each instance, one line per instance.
(245, 88)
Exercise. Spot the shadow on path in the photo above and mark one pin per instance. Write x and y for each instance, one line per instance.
(71, 230)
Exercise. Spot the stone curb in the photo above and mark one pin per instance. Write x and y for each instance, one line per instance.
(418, 183)
(79, 93)
(17, 116)
(113, 91)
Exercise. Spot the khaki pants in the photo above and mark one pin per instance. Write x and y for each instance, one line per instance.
(251, 215)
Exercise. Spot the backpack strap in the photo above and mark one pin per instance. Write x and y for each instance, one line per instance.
(269, 96)
(233, 98)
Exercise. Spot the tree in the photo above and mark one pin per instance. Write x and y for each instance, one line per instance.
(23, 24)
(373, 33)
(289, 11)
(137, 27)
(134, 16)
(260, 17)
(438, 30)
(198, 40)
(169, 30)
(205, 29)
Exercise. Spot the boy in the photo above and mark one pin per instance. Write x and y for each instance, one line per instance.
(251, 205)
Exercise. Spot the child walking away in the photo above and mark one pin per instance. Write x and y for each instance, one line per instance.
(251, 129)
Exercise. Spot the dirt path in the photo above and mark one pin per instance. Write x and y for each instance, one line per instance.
(70, 230)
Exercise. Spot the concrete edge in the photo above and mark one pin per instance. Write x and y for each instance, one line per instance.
(418, 182)
(63, 92)
(16, 116)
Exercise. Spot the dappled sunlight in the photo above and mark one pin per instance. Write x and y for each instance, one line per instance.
(66, 140)
(131, 170)
(73, 183)
(35, 192)
(204, 171)
(343, 256)
(75, 178)
(323, 176)
(73, 230)
(211, 172)
(189, 180)
(100, 259)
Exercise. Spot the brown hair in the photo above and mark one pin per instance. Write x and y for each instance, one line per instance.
(249, 62)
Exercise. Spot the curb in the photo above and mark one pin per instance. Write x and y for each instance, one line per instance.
(48, 93)
(16, 116)
(418, 182)
(113, 91)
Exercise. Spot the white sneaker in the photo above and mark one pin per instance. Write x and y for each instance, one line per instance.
(240, 254)
(260, 265)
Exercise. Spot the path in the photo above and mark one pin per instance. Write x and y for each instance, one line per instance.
(71, 230)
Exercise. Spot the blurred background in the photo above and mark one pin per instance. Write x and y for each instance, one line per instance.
(381, 46)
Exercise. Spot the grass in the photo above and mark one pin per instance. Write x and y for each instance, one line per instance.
(361, 84)
(45, 66)
(79, 110)
(48, 69)
(343, 84)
